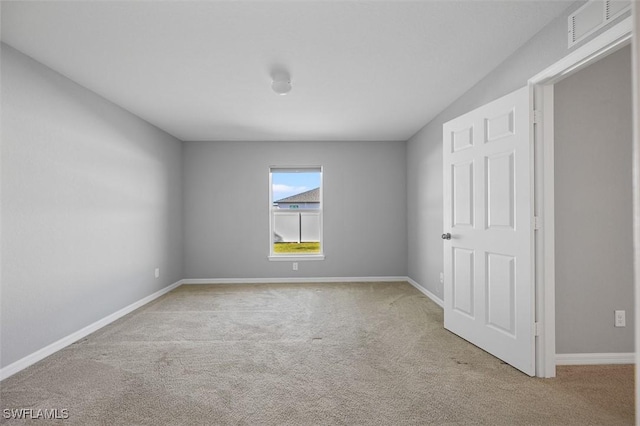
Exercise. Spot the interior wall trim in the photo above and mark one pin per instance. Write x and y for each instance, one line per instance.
(596, 358)
(426, 292)
(292, 280)
(54, 347)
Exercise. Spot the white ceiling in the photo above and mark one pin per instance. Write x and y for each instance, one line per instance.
(361, 70)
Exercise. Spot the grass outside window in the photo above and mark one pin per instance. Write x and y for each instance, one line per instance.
(295, 248)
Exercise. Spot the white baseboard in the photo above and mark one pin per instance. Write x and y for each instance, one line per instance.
(291, 280)
(596, 359)
(40, 354)
(426, 292)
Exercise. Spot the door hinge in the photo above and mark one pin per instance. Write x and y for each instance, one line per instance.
(537, 223)
(537, 328)
(537, 116)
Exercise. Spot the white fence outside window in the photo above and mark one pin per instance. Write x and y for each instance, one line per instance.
(296, 227)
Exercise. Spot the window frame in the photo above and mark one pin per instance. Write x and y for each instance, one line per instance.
(298, 256)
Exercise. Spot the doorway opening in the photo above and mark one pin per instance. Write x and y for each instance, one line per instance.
(544, 132)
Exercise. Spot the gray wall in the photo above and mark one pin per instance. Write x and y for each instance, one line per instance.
(593, 202)
(227, 217)
(424, 150)
(91, 204)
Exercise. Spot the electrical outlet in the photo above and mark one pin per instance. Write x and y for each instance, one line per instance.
(295, 266)
(442, 277)
(157, 272)
(621, 320)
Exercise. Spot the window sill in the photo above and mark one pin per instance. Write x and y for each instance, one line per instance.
(294, 258)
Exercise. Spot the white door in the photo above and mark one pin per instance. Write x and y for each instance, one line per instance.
(488, 213)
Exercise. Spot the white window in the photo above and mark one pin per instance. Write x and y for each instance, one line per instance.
(295, 213)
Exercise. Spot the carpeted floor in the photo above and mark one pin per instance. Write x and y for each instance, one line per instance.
(303, 354)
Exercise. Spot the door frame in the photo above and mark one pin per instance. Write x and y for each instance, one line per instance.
(635, 13)
(542, 135)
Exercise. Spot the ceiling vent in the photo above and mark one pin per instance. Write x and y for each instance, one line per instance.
(593, 16)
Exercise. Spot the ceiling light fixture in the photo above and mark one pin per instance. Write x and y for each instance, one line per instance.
(281, 83)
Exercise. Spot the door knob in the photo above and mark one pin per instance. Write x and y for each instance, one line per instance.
(446, 236)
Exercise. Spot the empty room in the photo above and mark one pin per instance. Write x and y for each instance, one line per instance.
(319, 212)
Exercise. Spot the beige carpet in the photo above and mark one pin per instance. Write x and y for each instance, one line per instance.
(303, 354)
